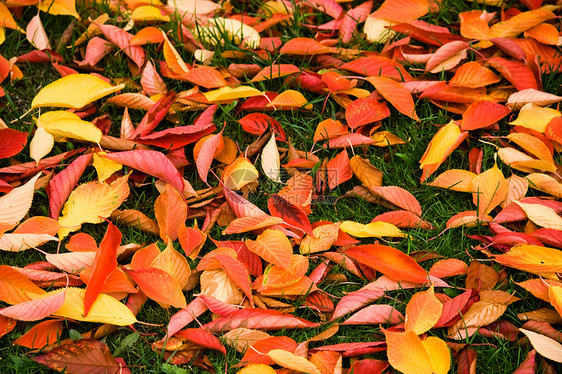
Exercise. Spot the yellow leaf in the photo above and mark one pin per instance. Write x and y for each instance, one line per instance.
(372, 230)
(423, 311)
(534, 259)
(292, 361)
(105, 309)
(408, 354)
(74, 91)
(545, 183)
(59, 7)
(229, 93)
(105, 167)
(489, 189)
(443, 143)
(148, 13)
(535, 117)
(542, 215)
(239, 173)
(41, 144)
(90, 201)
(65, 125)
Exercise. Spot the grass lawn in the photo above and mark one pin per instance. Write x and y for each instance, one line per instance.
(399, 164)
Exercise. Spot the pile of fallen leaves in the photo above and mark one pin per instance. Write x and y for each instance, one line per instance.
(251, 286)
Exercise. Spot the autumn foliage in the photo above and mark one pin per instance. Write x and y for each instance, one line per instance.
(247, 270)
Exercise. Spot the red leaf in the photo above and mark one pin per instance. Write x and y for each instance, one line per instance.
(155, 115)
(378, 66)
(466, 361)
(516, 72)
(258, 123)
(258, 319)
(482, 114)
(364, 111)
(62, 184)
(354, 349)
(159, 286)
(453, 307)
(152, 163)
(81, 356)
(202, 338)
(389, 261)
(292, 216)
(368, 366)
(105, 263)
(11, 142)
(339, 170)
(528, 365)
(185, 316)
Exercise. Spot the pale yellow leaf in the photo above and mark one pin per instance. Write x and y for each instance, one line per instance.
(15, 204)
(36, 34)
(241, 33)
(217, 283)
(378, 30)
(74, 91)
(544, 345)
(41, 144)
(21, 242)
(542, 215)
(292, 361)
(270, 162)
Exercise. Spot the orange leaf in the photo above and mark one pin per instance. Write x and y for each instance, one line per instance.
(276, 71)
(389, 261)
(473, 75)
(245, 224)
(396, 94)
(339, 170)
(482, 114)
(173, 263)
(14, 286)
(402, 10)
(42, 334)
(489, 189)
(159, 286)
(422, 312)
(170, 210)
(370, 176)
(274, 276)
(205, 76)
(273, 246)
(454, 179)
(448, 267)
(289, 99)
(105, 263)
(474, 24)
(544, 33)
(304, 47)
(364, 111)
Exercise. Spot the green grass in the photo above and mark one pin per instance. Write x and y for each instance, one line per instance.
(400, 165)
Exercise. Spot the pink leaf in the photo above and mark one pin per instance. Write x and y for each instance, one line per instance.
(258, 319)
(374, 315)
(122, 40)
(35, 310)
(357, 299)
(152, 163)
